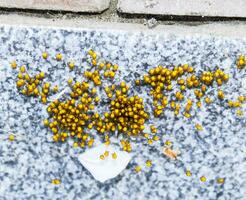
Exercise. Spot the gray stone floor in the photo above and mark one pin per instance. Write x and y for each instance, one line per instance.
(28, 164)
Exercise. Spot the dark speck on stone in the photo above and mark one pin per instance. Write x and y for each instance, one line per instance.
(11, 163)
(219, 194)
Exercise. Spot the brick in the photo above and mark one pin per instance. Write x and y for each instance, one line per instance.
(211, 8)
(94, 6)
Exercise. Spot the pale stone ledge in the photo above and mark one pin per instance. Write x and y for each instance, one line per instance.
(210, 8)
(94, 6)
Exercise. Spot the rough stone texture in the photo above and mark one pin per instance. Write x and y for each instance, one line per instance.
(28, 164)
(221, 8)
(66, 5)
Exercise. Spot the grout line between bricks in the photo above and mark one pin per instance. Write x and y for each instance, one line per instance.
(221, 29)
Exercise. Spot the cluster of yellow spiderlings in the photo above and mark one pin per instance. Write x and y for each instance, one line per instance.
(209, 77)
(126, 145)
(109, 69)
(70, 118)
(204, 179)
(151, 139)
(237, 103)
(33, 86)
(161, 81)
(241, 63)
(75, 117)
(126, 115)
(138, 168)
(106, 154)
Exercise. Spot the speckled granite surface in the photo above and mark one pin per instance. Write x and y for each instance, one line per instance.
(28, 164)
